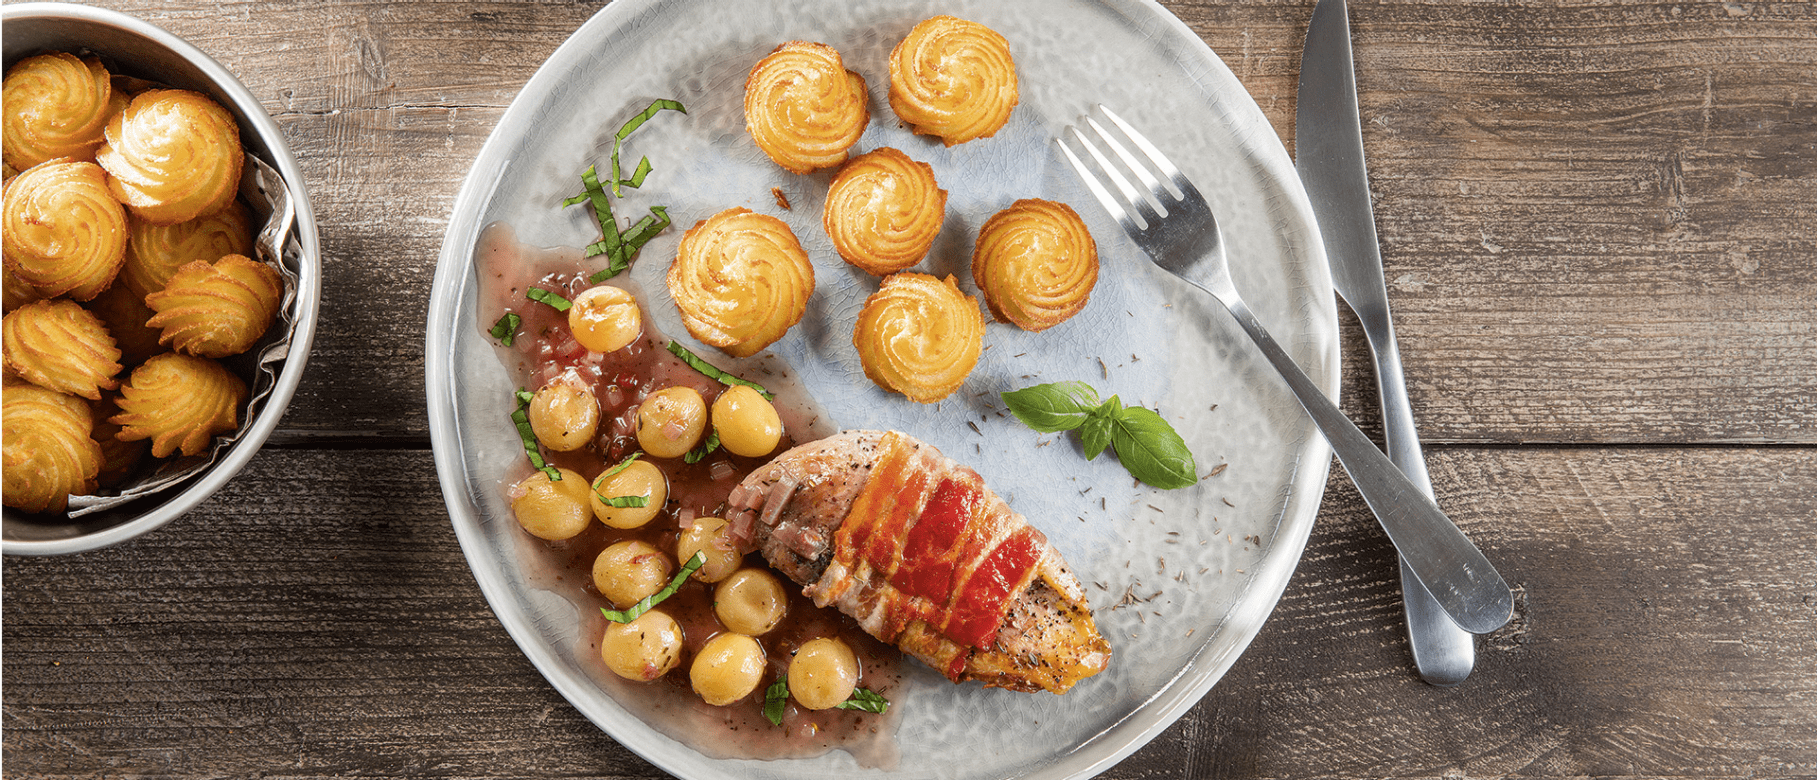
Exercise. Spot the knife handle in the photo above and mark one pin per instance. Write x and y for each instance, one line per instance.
(1443, 653)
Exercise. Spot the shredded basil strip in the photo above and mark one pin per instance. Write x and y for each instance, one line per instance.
(630, 127)
(707, 446)
(864, 699)
(541, 295)
(715, 373)
(505, 330)
(637, 610)
(622, 465)
(522, 418)
(625, 502)
(775, 699)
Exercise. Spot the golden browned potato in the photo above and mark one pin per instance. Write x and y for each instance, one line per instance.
(741, 280)
(155, 252)
(746, 422)
(953, 79)
(823, 673)
(551, 509)
(708, 535)
(1036, 264)
(919, 336)
(216, 309)
(605, 318)
(180, 402)
(172, 155)
(639, 478)
(803, 108)
(643, 649)
(727, 669)
(58, 345)
(670, 421)
(564, 414)
(628, 571)
(55, 105)
(62, 231)
(751, 602)
(883, 211)
(48, 450)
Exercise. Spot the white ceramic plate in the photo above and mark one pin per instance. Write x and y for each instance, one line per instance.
(1210, 561)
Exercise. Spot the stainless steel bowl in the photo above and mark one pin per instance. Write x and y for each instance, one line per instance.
(135, 48)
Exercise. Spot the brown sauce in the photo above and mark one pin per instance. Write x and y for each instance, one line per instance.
(543, 349)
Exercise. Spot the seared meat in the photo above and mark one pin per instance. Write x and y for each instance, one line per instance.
(913, 546)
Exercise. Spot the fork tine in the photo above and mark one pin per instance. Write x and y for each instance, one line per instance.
(1129, 160)
(1178, 180)
(1109, 201)
(1144, 205)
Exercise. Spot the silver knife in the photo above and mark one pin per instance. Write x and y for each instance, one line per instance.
(1328, 143)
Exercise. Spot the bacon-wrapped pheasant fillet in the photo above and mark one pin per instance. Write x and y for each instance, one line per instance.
(913, 546)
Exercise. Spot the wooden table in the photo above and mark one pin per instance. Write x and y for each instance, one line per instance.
(1599, 232)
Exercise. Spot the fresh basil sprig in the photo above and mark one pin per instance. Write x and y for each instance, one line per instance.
(637, 610)
(1147, 445)
(522, 418)
(776, 698)
(716, 373)
(505, 330)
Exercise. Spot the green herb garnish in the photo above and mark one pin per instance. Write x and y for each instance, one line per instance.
(622, 465)
(619, 246)
(714, 372)
(866, 700)
(541, 295)
(625, 502)
(776, 698)
(637, 610)
(522, 418)
(707, 446)
(505, 330)
(1147, 445)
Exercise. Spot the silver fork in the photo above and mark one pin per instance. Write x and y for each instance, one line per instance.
(1171, 221)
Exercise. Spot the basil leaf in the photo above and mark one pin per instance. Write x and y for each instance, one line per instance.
(622, 465)
(866, 700)
(541, 295)
(1094, 435)
(1151, 449)
(625, 131)
(1054, 407)
(637, 610)
(602, 211)
(521, 418)
(775, 698)
(505, 330)
(625, 502)
(714, 372)
(707, 446)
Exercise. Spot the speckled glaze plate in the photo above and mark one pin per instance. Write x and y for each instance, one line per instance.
(1181, 580)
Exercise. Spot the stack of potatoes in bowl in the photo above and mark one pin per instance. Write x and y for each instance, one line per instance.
(128, 276)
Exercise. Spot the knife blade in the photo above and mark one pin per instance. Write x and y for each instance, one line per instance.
(1328, 144)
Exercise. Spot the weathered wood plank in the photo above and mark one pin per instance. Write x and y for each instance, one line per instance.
(1595, 217)
(317, 618)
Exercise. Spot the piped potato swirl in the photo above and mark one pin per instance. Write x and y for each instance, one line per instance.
(1036, 263)
(172, 155)
(803, 108)
(179, 402)
(953, 79)
(55, 105)
(741, 280)
(883, 211)
(919, 336)
(216, 309)
(155, 252)
(48, 448)
(61, 230)
(58, 345)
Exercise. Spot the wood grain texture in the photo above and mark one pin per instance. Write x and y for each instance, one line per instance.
(317, 619)
(1595, 216)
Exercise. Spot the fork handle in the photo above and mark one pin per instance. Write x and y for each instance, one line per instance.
(1453, 570)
